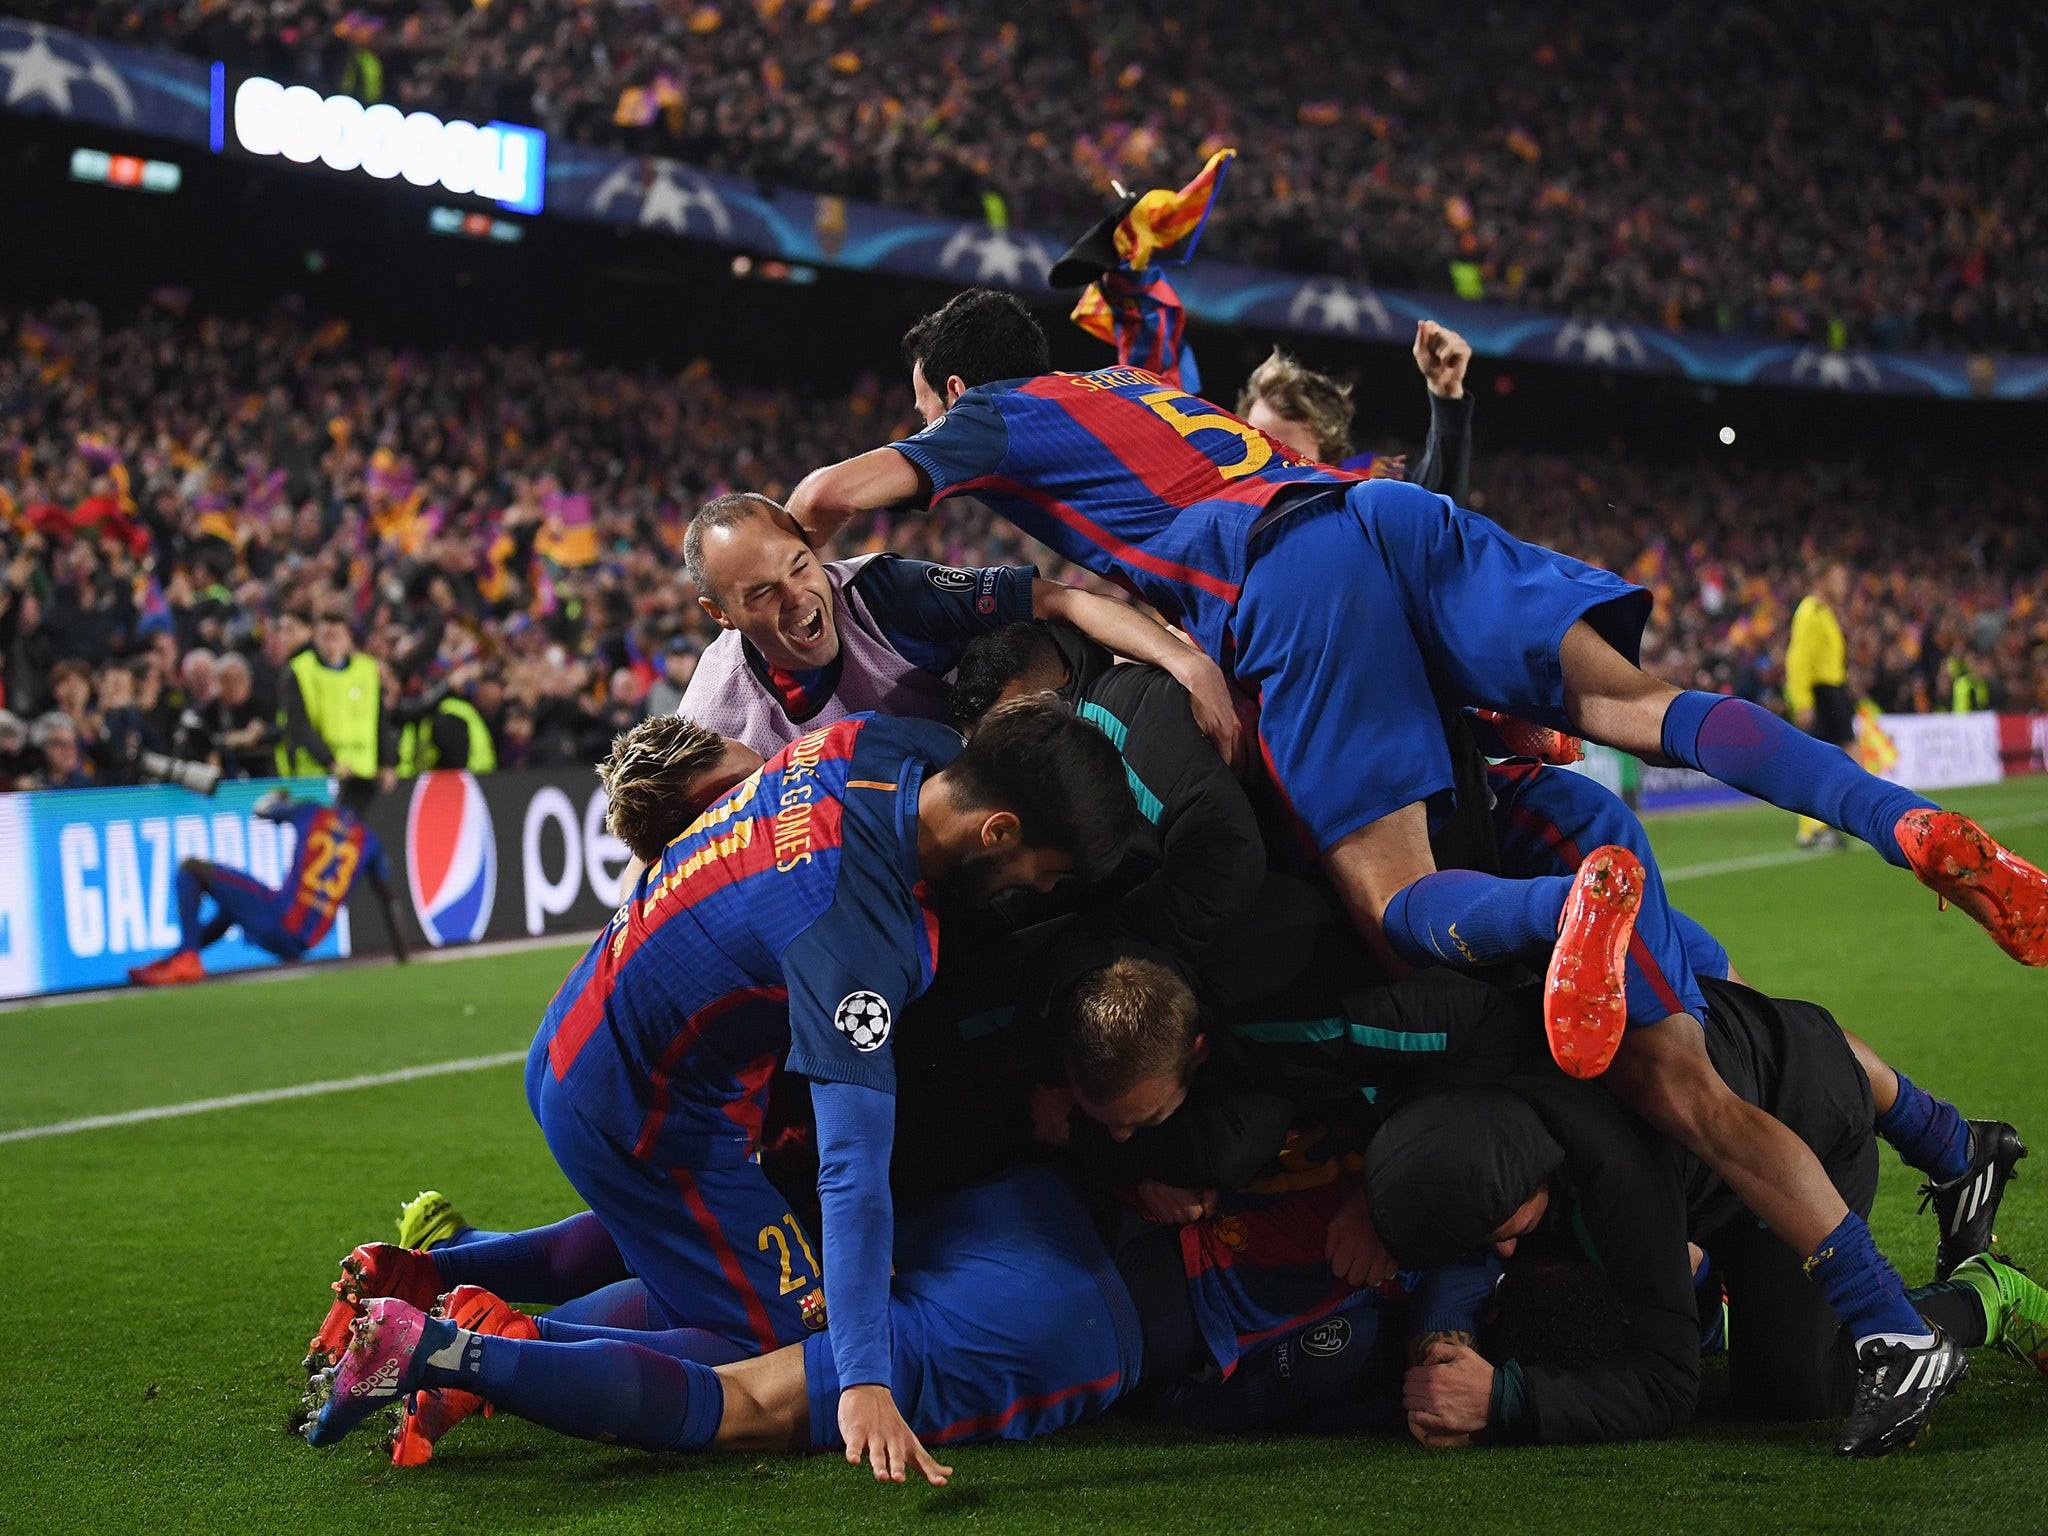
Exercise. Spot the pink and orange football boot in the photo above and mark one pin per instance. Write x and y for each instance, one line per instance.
(432, 1411)
(1585, 995)
(375, 1269)
(1962, 863)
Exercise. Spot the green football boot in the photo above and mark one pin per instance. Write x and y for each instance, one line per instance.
(2015, 1308)
(429, 1217)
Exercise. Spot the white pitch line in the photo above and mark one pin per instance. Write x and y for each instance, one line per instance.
(296, 969)
(265, 1096)
(507, 1058)
(1802, 856)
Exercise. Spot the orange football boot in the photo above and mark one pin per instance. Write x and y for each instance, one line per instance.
(1962, 863)
(174, 970)
(1585, 995)
(1542, 742)
(375, 1269)
(431, 1413)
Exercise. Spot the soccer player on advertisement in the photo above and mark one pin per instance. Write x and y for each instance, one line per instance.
(335, 849)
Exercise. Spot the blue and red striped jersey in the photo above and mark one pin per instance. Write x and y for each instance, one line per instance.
(333, 849)
(1126, 475)
(1258, 1270)
(789, 923)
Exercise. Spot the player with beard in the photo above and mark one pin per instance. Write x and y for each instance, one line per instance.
(788, 927)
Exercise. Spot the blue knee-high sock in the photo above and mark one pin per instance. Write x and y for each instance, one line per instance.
(1863, 1288)
(190, 934)
(1459, 917)
(622, 1304)
(695, 1344)
(1928, 1133)
(548, 1265)
(604, 1389)
(1753, 750)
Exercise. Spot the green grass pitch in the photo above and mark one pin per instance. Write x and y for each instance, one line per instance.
(158, 1280)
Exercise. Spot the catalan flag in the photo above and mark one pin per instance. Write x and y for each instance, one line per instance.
(1163, 219)
(1093, 315)
(1875, 749)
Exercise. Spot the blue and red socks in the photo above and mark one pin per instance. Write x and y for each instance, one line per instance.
(1929, 1134)
(547, 1265)
(693, 1344)
(1460, 917)
(1751, 749)
(603, 1389)
(1863, 1288)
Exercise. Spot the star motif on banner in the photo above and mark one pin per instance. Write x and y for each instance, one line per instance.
(40, 73)
(1338, 306)
(1836, 370)
(664, 200)
(998, 258)
(1598, 342)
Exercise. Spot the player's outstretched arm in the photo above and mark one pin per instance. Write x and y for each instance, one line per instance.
(825, 500)
(1128, 632)
(381, 888)
(856, 1129)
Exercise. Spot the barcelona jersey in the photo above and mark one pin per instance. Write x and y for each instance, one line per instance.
(788, 923)
(333, 849)
(1126, 475)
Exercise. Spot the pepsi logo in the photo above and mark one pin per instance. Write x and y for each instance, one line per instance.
(451, 857)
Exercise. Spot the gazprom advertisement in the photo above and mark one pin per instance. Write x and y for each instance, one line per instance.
(87, 879)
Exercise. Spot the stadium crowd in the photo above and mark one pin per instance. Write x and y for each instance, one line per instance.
(181, 497)
(1841, 173)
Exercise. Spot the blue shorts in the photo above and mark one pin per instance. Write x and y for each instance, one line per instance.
(1358, 613)
(717, 1248)
(1009, 1318)
(252, 906)
(1546, 820)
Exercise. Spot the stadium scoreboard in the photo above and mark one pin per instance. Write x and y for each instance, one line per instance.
(504, 162)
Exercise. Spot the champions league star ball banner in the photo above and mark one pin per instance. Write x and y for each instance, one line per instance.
(45, 70)
(86, 878)
(655, 193)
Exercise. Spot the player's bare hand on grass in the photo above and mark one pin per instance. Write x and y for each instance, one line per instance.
(1174, 1207)
(1448, 1396)
(874, 1431)
(1353, 1246)
(1442, 355)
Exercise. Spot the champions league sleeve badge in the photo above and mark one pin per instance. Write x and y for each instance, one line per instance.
(863, 1017)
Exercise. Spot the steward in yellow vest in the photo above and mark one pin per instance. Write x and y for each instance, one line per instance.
(426, 743)
(330, 708)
